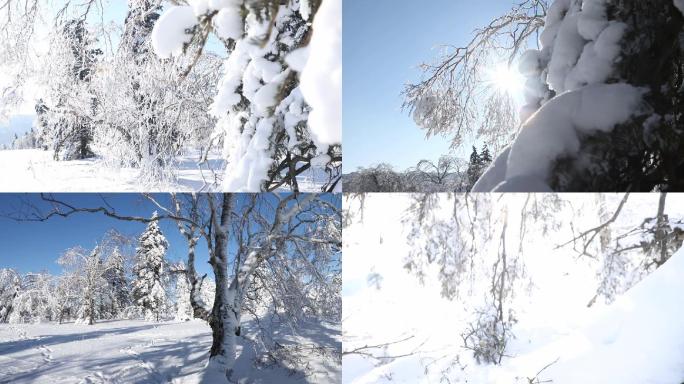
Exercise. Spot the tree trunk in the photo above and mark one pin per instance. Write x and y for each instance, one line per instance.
(91, 310)
(224, 315)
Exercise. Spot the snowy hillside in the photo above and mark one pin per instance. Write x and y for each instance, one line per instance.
(638, 339)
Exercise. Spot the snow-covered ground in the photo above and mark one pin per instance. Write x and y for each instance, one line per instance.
(637, 339)
(34, 170)
(142, 352)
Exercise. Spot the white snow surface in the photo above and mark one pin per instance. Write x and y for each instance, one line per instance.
(34, 170)
(169, 34)
(134, 351)
(321, 79)
(638, 339)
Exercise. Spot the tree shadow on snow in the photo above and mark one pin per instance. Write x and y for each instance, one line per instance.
(144, 360)
(147, 364)
(52, 340)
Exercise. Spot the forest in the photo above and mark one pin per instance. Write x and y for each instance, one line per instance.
(449, 173)
(182, 95)
(269, 306)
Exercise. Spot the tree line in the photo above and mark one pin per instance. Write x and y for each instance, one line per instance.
(449, 173)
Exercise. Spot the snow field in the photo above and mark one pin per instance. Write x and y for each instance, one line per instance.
(133, 351)
(34, 170)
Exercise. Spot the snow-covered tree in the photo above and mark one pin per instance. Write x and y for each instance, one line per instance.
(68, 292)
(93, 286)
(594, 117)
(148, 284)
(9, 289)
(118, 290)
(293, 240)
(378, 178)
(469, 238)
(82, 287)
(183, 306)
(262, 115)
(68, 125)
(147, 113)
(459, 96)
(449, 173)
(35, 300)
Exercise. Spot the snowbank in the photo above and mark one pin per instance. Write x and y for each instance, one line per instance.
(555, 131)
(639, 339)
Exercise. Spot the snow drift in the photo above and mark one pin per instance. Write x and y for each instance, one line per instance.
(639, 339)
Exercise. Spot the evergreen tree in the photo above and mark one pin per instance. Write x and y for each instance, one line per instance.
(642, 153)
(148, 288)
(262, 115)
(41, 124)
(115, 275)
(485, 157)
(474, 168)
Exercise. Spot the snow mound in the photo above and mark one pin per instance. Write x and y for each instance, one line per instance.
(555, 131)
(640, 338)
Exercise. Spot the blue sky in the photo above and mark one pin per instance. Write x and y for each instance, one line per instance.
(35, 246)
(383, 43)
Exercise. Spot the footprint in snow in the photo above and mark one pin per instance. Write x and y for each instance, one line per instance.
(46, 353)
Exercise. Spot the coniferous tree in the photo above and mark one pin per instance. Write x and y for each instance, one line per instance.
(474, 168)
(485, 157)
(643, 152)
(117, 283)
(148, 288)
(70, 127)
(262, 114)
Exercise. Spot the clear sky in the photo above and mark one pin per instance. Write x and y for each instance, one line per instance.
(383, 43)
(35, 246)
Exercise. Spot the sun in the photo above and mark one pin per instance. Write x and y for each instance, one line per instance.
(506, 79)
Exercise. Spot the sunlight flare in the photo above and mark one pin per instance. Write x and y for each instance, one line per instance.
(506, 78)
